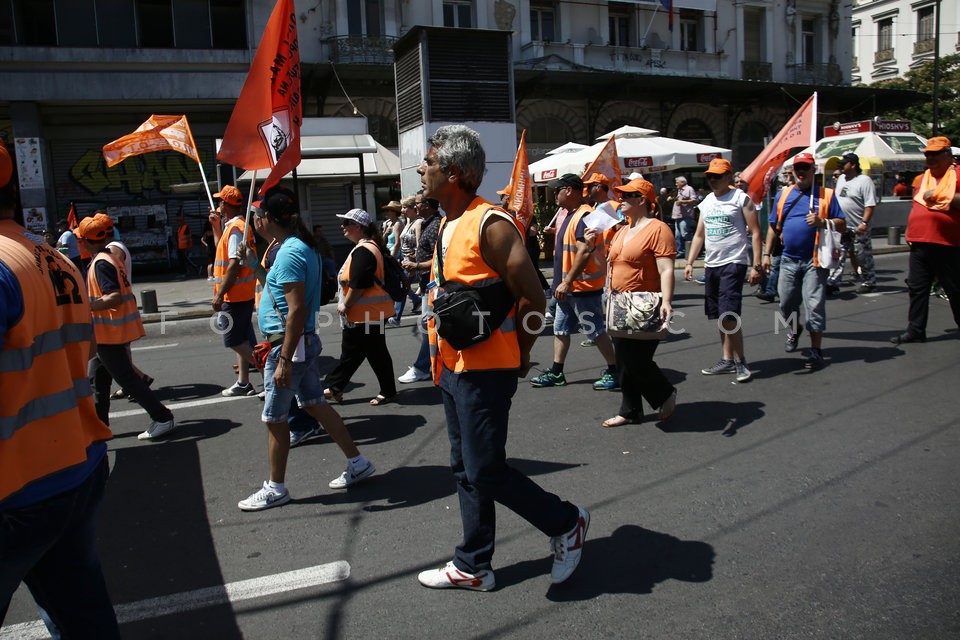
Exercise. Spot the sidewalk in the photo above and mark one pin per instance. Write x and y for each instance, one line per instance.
(181, 299)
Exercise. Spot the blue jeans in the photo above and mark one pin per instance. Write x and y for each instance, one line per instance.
(305, 383)
(683, 233)
(477, 407)
(800, 281)
(51, 547)
(422, 362)
(770, 287)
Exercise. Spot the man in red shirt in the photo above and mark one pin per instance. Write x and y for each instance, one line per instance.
(933, 231)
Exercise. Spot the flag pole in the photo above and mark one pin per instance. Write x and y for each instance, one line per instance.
(246, 219)
(206, 186)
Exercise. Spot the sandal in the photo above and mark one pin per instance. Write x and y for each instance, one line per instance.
(119, 394)
(382, 399)
(618, 421)
(333, 394)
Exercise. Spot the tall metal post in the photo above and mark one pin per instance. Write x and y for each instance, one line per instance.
(935, 125)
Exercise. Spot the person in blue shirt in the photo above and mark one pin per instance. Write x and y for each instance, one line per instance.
(797, 216)
(287, 316)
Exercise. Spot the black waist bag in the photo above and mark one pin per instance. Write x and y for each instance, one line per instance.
(466, 315)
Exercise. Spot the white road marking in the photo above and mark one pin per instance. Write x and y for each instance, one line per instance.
(181, 405)
(156, 346)
(201, 598)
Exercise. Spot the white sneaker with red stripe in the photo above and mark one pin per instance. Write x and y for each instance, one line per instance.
(568, 548)
(449, 577)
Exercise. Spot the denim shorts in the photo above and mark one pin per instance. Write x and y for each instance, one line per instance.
(580, 314)
(305, 383)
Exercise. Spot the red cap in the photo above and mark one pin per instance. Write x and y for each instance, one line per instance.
(804, 158)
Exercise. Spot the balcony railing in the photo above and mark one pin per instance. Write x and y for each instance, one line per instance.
(361, 49)
(757, 70)
(550, 55)
(883, 55)
(923, 46)
(828, 73)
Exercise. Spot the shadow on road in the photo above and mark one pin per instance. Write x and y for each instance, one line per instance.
(631, 560)
(725, 417)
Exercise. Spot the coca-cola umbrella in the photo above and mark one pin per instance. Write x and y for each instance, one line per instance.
(636, 150)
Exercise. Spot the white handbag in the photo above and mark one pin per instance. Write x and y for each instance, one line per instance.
(828, 246)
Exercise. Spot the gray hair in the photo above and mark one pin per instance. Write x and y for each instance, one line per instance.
(681, 179)
(459, 146)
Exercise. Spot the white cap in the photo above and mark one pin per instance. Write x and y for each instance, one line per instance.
(359, 216)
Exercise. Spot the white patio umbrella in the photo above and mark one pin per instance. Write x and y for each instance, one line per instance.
(569, 147)
(628, 131)
(644, 153)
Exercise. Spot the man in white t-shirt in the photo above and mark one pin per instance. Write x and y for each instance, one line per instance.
(69, 241)
(683, 214)
(727, 229)
(858, 197)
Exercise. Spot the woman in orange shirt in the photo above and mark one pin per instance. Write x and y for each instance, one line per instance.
(641, 259)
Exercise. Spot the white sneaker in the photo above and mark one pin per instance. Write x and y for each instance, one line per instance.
(239, 390)
(414, 375)
(352, 476)
(157, 429)
(265, 498)
(449, 577)
(568, 548)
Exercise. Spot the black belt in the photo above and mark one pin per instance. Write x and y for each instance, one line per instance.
(277, 338)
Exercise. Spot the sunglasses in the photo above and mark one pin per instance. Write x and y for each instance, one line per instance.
(803, 167)
(347, 223)
(930, 154)
(713, 176)
(630, 194)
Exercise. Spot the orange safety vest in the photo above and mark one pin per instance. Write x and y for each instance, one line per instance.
(184, 239)
(464, 263)
(47, 415)
(119, 325)
(245, 284)
(826, 197)
(594, 274)
(375, 303)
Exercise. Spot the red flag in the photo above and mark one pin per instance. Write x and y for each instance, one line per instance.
(72, 217)
(607, 163)
(264, 129)
(520, 190)
(158, 133)
(800, 131)
(668, 5)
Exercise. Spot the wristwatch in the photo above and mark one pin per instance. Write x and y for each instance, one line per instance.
(757, 267)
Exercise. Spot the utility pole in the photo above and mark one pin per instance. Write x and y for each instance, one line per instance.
(935, 125)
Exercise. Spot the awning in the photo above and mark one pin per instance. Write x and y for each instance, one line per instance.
(340, 156)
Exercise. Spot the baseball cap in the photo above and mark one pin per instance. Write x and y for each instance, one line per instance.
(936, 143)
(279, 202)
(106, 220)
(850, 157)
(639, 185)
(94, 228)
(504, 191)
(359, 216)
(719, 166)
(804, 158)
(6, 165)
(597, 178)
(567, 180)
(393, 205)
(230, 194)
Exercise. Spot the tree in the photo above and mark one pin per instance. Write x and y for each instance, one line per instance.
(921, 115)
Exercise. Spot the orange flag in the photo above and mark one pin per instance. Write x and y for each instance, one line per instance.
(520, 190)
(158, 133)
(264, 129)
(607, 163)
(800, 131)
(72, 217)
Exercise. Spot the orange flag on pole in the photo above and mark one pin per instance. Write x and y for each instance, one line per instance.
(72, 217)
(158, 133)
(520, 190)
(264, 129)
(800, 131)
(606, 163)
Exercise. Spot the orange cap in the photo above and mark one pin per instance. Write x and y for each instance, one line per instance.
(93, 228)
(639, 185)
(105, 219)
(719, 166)
(504, 191)
(231, 195)
(937, 143)
(598, 178)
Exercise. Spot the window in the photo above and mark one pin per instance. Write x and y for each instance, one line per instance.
(925, 24)
(364, 18)
(542, 22)
(691, 30)
(808, 41)
(34, 23)
(458, 13)
(885, 34)
(619, 20)
(754, 23)
(229, 25)
(549, 130)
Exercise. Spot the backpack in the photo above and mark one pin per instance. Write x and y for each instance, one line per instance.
(328, 280)
(395, 280)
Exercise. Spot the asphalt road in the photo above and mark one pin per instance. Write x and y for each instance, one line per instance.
(798, 505)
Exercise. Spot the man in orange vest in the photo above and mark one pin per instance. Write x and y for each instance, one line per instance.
(234, 290)
(184, 243)
(579, 273)
(116, 323)
(53, 451)
(481, 244)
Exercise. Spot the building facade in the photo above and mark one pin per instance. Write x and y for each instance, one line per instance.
(891, 37)
(79, 73)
